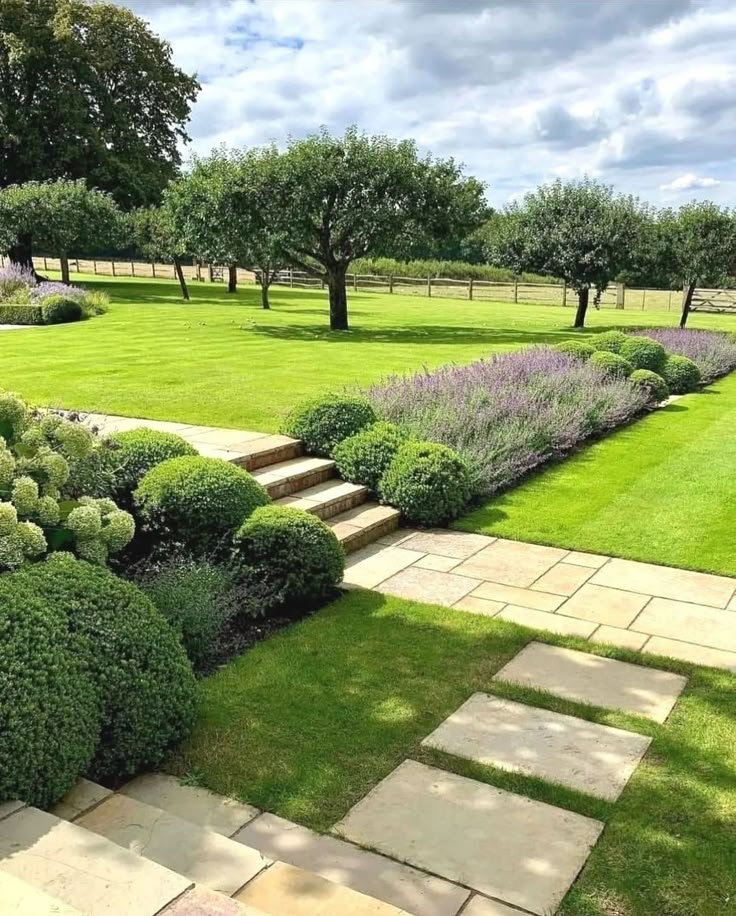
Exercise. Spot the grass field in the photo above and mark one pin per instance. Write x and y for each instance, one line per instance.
(307, 722)
(662, 490)
(221, 360)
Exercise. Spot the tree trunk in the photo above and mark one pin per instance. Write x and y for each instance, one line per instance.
(338, 299)
(22, 252)
(687, 301)
(232, 279)
(583, 297)
(180, 277)
(64, 261)
(264, 293)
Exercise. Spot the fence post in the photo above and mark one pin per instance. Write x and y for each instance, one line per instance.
(210, 274)
(516, 290)
(94, 267)
(429, 286)
(470, 289)
(564, 292)
(669, 302)
(620, 295)
(132, 268)
(391, 283)
(291, 277)
(45, 266)
(355, 282)
(112, 264)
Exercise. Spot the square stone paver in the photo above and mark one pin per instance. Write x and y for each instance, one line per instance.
(732, 604)
(428, 585)
(615, 636)
(82, 796)
(541, 620)
(563, 579)
(511, 563)
(9, 807)
(604, 605)
(362, 870)
(590, 758)
(525, 597)
(372, 565)
(18, 898)
(688, 652)
(457, 544)
(200, 901)
(591, 679)
(437, 562)
(476, 605)
(697, 623)
(484, 906)
(503, 845)
(594, 561)
(664, 582)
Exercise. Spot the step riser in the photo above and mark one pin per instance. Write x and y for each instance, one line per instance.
(366, 536)
(292, 486)
(344, 504)
(274, 456)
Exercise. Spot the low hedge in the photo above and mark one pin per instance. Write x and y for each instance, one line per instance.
(21, 314)
(681, 374)
(653, 384)
(365, 457)
(609, 340)
(60, 310)
(321, 423)
(644, 353)
(612, 363)
(580, 349)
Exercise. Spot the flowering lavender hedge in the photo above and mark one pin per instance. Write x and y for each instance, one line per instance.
(713, 352)
(511, 413)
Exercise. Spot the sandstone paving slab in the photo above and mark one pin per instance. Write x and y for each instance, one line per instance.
(366, 515)
(615, 636)
(284, 889)
(435, 561)
(82, 869)
(585, 756)
(511, 563)
(666, 582)
(428, 585)
(20, 899)
(457, 544)
(225, 438)
(688, 652)
(82, 796)
(563, 579)
(349, 865)
(201, 901)
(476, 605)
(591, 679)
(523, 852)
(732, 604)
(541, 620)
(484, 906)
(215, 812)
(610, 606)
(202, 855)
(372, 565)
(9, 807)
(697, 623)
(524, 597)
(580, 558)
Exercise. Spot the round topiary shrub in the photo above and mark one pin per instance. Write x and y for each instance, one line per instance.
(429, 483)
(644, 353)
(364, 458)
(138, 667)
(654, 385)
(580, 349)
(197, 502)
(681, 374)
(609, 340)
(323, 422)
(49, 708)
(292, 553)
(133, 453)
(60, 309)
(611, 363)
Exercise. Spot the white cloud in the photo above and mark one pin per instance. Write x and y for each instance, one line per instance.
(632, 91)
(690, 182)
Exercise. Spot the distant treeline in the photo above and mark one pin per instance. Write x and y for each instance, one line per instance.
(452, 270)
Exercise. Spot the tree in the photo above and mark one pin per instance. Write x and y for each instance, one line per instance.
(63, 216)
(342, 198)
(152, 230)
(88, 91)
(701, 241)
(579, 231)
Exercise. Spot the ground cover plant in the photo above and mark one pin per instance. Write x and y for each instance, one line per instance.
(309, 721)
(714, 354)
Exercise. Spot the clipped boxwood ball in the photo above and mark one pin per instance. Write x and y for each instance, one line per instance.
(198, 502)
(654, 385)
(136, 451)
(612, 341)
(644, 353)
(428, 482)
(323, 422)
(611, 363)
(60, 309)
(580, 349)
(681, 374)
(364, 458)
(289, 554)
(49, 709)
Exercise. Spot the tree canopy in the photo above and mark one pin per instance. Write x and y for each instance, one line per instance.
(153, 232)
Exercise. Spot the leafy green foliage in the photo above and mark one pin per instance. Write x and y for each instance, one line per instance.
(365, 457)
(322, 422)
(134, 452)
(197, 502)
(642, 355)
(296, 554)
(580, 349)
(655, 386)
(60, 309)
(21, 314)
(428, 482)
(681, 374)
(700, 240)
(612, 363)
(609, 340)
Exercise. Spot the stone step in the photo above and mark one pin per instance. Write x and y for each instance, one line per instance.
(327, 499)
(255, 453)
(80, 798)
(367, 523)
(22, 899)
(288, 477)
(201, 855)
(83, 870)
(201, 901)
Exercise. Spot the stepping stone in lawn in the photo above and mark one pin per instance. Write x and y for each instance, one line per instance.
(591, 679)
(522, 852)
(564, 749)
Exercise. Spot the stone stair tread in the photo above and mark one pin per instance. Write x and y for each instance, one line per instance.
(364, 524)
(284, 889)
(203, 856)
(200, 806)
(80, 798)
(201, 901)
(327, 498)
(22, 899)
(81, 869)
(293, 468)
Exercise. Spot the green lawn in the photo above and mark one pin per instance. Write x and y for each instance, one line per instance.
(221, 360)
(307, 722)
(662, 490)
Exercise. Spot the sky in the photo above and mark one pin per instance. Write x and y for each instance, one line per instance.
(640, 94)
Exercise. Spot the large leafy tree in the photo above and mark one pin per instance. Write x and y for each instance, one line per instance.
(152, 231)
(88, 91)
(579, 231)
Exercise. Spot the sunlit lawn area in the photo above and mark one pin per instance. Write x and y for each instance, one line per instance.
(307, 722)
(221, 360)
